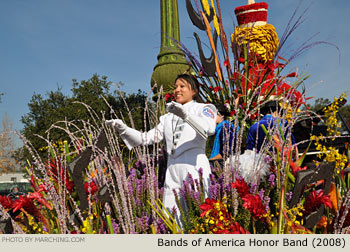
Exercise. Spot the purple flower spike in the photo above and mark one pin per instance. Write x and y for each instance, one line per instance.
(271, 180)
(253, 188)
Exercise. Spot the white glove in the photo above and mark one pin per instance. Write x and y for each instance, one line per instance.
(117, 124)
(176, 109)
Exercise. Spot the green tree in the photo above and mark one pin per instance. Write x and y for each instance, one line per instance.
(7, 147)
(345, 112)
(319, 104)
(56, 107)
(322, 102)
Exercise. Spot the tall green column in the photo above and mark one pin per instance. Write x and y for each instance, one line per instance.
(171, 60)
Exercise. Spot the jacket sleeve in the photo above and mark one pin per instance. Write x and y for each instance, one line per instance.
(206, 118)
(250, 144)
(133, 138)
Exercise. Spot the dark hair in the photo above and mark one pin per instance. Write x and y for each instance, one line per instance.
(190, 79)
(221, 108)
(270, 107)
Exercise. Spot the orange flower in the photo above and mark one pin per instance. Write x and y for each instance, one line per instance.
(333, 191)
(294, 165)
(323, 222)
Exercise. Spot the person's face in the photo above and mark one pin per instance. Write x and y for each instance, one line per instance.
(183, 91)
(219, 118)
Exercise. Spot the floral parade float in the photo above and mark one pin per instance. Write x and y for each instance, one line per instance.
(85, 185)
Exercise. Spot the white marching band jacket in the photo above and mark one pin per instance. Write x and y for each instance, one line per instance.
(179, 135)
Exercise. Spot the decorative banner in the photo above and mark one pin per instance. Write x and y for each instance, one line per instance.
(197, 18)
(305, 177)
(6, 226)
(78, 166)
(207, 63)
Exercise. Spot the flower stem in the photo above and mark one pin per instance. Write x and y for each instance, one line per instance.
(109, 224)
(280, 216)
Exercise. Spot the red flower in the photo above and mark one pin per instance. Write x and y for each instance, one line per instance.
(295, 167)
(43, 188)
(254, 204)
(58, 172)
(272, 66)
(39, 197)
(233, 228)
(168, 96)
(287, 91)
(226, 63)
(287, 151)
(241, 187)
(253, 116)
(267, 85)
(32, 181)
(26, 205)
(6, 202)
(221, 222)
(237, 229)
(315, 199)
(90, 188)
(294, 74)
(235, 76)
(216, 89)
(241, 60)
(280, 65)
(206, 206)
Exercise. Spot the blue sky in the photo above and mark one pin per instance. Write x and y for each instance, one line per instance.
(46, 43)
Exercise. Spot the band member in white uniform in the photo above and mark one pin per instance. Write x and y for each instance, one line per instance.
(184, 129)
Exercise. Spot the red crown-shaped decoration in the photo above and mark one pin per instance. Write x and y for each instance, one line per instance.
(252, 14)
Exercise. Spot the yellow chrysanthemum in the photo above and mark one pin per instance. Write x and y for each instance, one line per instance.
(263, 41)
(216, 25)
(215, 19)
(206, 6)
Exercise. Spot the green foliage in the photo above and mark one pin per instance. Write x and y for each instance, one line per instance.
(319, 104)
(58, 108)
(7, 146)
(345, 112)
(243, 217)
(322, 102)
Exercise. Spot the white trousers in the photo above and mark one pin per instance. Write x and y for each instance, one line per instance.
(178, 168)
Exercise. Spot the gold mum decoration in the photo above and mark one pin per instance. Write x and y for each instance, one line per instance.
(263, 41)
(206, 6)
(254, 32)
(215, 19)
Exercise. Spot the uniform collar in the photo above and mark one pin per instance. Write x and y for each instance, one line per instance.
(188, 104)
